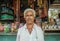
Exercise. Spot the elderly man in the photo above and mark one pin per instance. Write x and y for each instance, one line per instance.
(30, 31)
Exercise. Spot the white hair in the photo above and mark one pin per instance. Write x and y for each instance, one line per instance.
(27, 10)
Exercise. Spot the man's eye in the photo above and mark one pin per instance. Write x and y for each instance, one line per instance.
(27, 15)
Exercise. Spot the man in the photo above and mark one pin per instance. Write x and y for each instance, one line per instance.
(30, 31)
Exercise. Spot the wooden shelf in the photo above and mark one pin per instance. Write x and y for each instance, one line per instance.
(52, 30)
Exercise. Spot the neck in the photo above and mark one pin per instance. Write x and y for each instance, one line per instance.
(30, 27)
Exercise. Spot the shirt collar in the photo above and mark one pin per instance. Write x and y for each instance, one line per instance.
(34, 26)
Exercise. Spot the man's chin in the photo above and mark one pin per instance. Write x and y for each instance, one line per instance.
(29, 23)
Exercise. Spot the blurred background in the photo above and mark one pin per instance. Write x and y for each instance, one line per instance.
(47, 17)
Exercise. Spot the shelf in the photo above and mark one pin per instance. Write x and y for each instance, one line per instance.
(3, 21)
(4, 33)
(56, 4)
(52, 30)
(6, 10)
(51, 33)
(7, 7)
(6, 13)
(6, 20)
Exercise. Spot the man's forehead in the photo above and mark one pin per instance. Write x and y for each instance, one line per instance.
(29, 12)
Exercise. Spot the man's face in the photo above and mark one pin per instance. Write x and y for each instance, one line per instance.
(29, 17)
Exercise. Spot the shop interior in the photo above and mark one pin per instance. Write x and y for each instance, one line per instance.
(11, 18)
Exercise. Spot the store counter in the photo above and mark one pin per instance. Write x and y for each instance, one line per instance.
(12, 36)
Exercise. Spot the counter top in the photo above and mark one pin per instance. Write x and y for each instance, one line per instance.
(3, 33)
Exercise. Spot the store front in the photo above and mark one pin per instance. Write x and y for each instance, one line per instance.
(11, 18)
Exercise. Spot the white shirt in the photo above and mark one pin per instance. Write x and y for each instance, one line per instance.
(36, 34)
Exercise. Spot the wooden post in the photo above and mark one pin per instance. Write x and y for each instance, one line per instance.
(45, 8)
(17, 10)
(14, 6)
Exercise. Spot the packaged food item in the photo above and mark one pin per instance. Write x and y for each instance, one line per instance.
(13, 27)
(1, 28)
(6, 28)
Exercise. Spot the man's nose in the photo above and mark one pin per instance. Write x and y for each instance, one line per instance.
(29, 16)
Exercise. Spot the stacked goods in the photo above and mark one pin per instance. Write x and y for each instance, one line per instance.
(1, 28)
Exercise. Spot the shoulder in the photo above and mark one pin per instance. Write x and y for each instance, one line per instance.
(21, 29)
(39, 29)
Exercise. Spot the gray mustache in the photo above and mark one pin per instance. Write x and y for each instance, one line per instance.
(29, 19)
